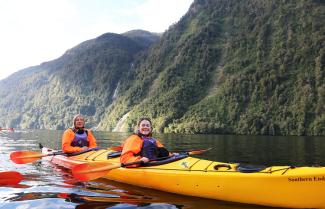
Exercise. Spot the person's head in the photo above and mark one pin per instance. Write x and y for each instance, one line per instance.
(145, 127)
(78, 121)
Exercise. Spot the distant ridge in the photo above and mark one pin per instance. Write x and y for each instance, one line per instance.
(82, 80)
(252, 67)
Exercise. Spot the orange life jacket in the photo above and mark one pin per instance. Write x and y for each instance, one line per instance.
(132, 149)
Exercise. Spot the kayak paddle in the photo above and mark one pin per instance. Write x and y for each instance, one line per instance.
(23, 157)
(198, 151)
(10, 178)
(93, 170)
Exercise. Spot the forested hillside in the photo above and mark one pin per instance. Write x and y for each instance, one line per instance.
(83, 80)
(227, 66)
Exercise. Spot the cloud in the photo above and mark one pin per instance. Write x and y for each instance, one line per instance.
(36, 31)
(31, 31)
(158, 15)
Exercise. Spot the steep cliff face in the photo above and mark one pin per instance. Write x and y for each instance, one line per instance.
(245, 67)
(271, 77)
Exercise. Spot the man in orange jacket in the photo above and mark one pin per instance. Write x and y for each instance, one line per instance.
(142, 146)
(77, 138)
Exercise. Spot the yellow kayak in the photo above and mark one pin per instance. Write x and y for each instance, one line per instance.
(278, 186)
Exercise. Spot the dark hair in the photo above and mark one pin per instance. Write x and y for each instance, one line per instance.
(144, 118)
(138, 131)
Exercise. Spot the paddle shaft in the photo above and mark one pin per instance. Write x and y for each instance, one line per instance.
(110, 167)
(192, 152)
(118, 165)
(93, 170)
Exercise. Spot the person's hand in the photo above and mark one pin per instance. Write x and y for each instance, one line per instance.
(144, 159)
(84, 148)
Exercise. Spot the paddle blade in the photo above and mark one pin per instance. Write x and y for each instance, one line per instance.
(10, 178)
(92, 170)
(197, 152)
(22, 157)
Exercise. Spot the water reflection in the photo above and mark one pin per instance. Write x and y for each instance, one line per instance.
(48, 186)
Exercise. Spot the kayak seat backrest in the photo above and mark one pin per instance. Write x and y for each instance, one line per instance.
(248, 168)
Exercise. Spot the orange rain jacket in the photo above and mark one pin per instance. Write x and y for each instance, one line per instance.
(68, 137)
(132, 148)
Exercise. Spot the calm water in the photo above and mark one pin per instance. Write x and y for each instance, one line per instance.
(48, 186)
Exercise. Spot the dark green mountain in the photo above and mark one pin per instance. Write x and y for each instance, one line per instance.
(82, 80)
(228, 66)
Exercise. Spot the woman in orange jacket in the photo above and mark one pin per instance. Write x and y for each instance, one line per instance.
(142, 146)
(77, 138)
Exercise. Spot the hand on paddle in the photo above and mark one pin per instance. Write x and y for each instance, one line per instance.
(144, 159)
(83, 149)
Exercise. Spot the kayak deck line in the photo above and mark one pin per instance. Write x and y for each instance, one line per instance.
(94, 158)
(216, 171)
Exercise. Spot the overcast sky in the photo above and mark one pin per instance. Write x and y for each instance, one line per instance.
(35, 31)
